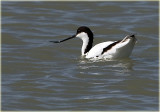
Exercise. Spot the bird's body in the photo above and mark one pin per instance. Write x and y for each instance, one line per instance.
(109, 49)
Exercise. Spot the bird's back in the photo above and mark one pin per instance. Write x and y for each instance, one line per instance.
(97, 50)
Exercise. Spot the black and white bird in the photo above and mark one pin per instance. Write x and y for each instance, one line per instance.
(105, 50)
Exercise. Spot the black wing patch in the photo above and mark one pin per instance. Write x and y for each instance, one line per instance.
(110, 46)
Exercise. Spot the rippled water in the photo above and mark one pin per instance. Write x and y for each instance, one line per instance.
(38, 75)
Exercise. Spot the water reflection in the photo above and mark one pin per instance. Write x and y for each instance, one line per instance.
(122, 65)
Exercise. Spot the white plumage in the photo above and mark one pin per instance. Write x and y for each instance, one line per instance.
(110, 49)
(122, 49)
(98, 49)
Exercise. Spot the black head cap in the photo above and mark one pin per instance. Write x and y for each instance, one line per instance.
(90, 35)
(86, 30)
(132, 35)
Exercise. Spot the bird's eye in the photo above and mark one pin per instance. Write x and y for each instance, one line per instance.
(78, 31)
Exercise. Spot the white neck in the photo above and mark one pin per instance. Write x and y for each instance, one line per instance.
(85, 43)
(85, 40)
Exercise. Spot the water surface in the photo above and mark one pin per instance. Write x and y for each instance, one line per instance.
(38, 75)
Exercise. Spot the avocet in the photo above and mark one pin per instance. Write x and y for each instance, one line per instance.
(105, 50)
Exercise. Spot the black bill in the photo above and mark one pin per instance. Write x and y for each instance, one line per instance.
(63, 39)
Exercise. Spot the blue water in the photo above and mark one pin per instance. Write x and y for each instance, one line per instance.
(38, 75)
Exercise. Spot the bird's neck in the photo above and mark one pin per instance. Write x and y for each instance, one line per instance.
(87, 45)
